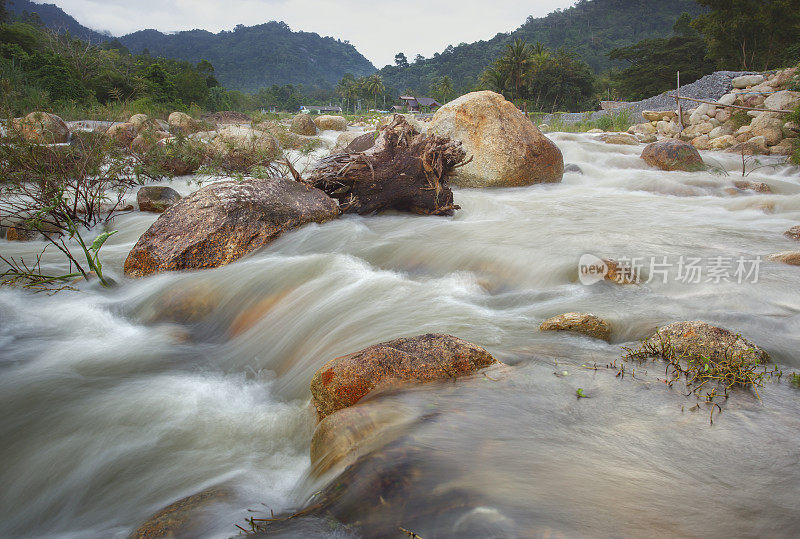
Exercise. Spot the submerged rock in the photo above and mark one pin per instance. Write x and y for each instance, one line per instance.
(673, 155)
(507, 150)
(793, 233)
(587, 324)
(183, 518)
(224, 221)
(787, 257)
(700, 340)
(343, 381)
(302, 124)
(156, 198)
(620, 139)
(573, 168)
(758, 187)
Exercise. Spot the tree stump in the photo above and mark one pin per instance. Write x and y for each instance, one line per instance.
(404, 170)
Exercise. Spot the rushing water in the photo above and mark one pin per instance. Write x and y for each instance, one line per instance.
(118, 402)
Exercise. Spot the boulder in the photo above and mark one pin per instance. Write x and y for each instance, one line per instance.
(783, 100)
(769, 127)
(695, 130)
(784, 77)
(793, 233)
(330, 123)
(623, 139)
(721, 131)
(784, 147)
(302, 124)
(723, 115)
(244, 138)
(758, 187)
(746, 81)
(344, 139)
(699, 341)
(753, 146)
(43, 127)
(702, 142)
(225, 221)
(123, 134)
(156, 198)
(644, 129)
(673, 155)
(722, 143)
(506, 149)
(344, 381)
(791, 129)
(183, 518)
(139, 121)
(180, 122)
(145, 140)
(786, 257)
(587, 324)
(727, 99)
(573, 169)
(667, 128)
(658, 115)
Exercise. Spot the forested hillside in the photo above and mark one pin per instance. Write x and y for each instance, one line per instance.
(53, 17)
(590, 29)
(253, 57)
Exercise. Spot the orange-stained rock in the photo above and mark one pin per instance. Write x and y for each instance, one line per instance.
(585, 323)
(507, 150)
(224, 221)
(702, 341)
(343, 381)
(787, 257)
(43, 127)
(249, 317)
(673, 155)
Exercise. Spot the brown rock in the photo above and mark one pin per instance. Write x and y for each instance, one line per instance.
(43, 127)
(156, 198)
(793, 233)
(753, 146)
(123, 134)
(506, 149)
(673, 155)
(343, 381)
(332, 123)
(620, 138)
(180, 122)
(225, 221)
(587, 324)
(787, 257)
(758, 187)
(183, 518)
(302, 124)
(699, 340)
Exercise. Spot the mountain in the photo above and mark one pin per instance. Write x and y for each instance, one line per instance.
(246, 59)
(590, 28)
(253, 57)
(53, 17)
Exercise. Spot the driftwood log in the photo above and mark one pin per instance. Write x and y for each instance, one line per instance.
(404, 170)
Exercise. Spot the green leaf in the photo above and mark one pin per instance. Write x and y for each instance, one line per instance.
(101, 239)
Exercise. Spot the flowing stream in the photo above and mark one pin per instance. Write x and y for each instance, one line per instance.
(118, 402)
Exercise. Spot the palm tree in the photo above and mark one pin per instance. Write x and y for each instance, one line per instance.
(444, 88)
(517, 66)
(493, 79)
(373, 85)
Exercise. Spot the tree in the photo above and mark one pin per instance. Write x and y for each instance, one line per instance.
(516, 66)
(400, 60)
(373, 86)
(751, 34)
(3, 12)
(443, 89)
(419, 58)
(655, 62)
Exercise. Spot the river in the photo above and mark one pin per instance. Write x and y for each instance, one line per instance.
(115, 404)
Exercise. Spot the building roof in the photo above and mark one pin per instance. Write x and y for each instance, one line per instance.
(428, 102)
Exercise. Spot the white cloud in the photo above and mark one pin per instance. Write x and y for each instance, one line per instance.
(378, 29)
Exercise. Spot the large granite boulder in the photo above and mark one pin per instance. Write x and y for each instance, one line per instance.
(224, 221)
(302, 124)
(673, 155)
(246, 139)
(343, 381)
(506, 149)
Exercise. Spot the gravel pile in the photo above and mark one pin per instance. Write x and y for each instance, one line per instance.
(711, 87)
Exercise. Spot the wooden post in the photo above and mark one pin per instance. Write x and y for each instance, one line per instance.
(678, 101)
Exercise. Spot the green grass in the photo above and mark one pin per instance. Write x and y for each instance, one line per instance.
(620, 121)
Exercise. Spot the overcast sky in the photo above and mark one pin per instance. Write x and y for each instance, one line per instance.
(378, 28)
